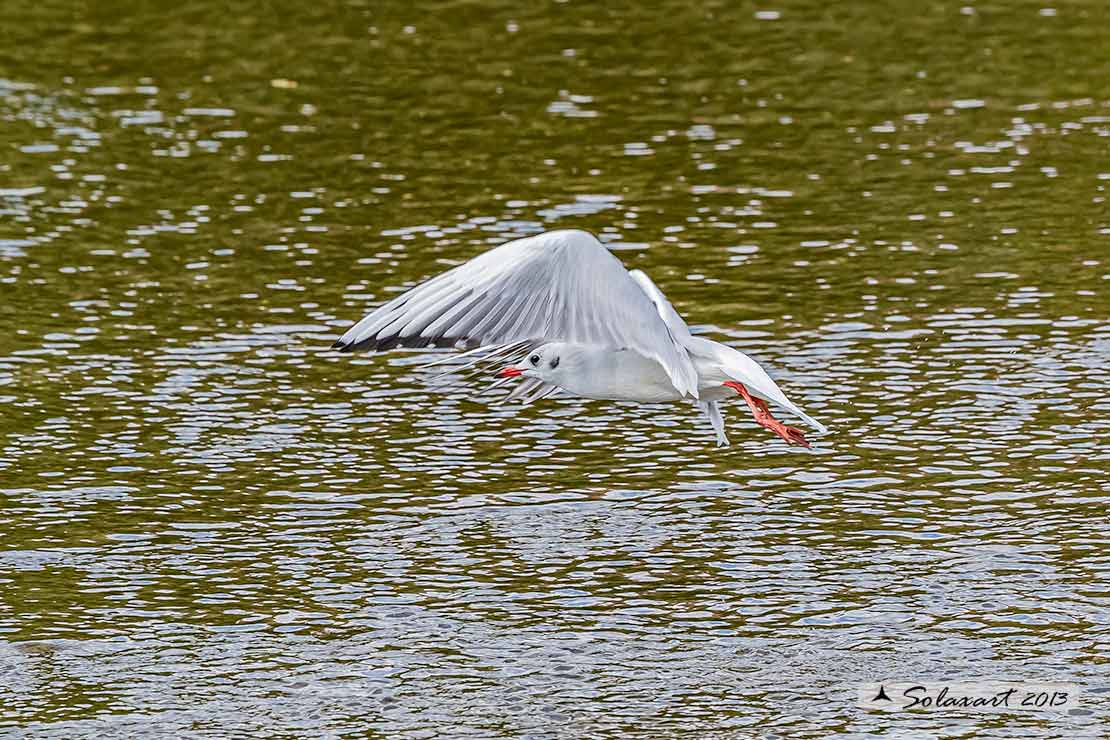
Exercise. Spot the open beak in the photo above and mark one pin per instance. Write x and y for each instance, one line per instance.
(510, 372)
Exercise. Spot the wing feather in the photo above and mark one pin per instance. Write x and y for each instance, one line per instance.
(557, 286)
(664, 308)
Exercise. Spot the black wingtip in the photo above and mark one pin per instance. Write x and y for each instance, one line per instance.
(374, 344)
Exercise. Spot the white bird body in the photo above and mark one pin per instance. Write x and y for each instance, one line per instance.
(605, 374)
(586, 326)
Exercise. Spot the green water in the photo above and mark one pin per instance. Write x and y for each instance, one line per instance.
(213, 526)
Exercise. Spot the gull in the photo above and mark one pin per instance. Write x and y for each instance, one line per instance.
(576, 321)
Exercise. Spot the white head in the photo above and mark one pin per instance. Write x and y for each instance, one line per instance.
(548, 362)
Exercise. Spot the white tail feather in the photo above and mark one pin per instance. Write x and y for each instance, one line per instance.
(743, 369)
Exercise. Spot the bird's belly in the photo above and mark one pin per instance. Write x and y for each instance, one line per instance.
(643, 393)
(624, 376)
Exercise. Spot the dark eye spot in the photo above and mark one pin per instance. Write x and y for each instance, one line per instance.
(555, 363)
(534, 359)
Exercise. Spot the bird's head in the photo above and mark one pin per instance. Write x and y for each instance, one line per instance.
(545, 363)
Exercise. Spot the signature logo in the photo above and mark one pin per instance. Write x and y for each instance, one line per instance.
(964, 696)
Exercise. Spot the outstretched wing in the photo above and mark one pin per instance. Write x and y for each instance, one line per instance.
(681, 332)
(560, 286)
(663, 307)
(733, 363)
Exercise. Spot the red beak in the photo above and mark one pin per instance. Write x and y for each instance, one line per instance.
(510, 372)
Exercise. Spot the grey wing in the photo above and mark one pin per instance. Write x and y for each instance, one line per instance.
(557, 286)
(663, 307)
(678, 328)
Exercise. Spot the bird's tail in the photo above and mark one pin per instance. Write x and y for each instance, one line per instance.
(743, 369)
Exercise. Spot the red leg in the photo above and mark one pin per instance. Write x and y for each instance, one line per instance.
(763, 417)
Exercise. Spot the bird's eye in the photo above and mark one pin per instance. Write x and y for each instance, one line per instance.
(534, 359)
(555, 363)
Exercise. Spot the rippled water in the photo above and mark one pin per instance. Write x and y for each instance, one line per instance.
(214, 526)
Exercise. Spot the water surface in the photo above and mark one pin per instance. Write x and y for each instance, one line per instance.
(213, 526)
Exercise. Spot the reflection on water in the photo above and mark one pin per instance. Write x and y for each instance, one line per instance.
(213, 524)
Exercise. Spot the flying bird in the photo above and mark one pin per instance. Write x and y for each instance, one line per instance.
(567, 316)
